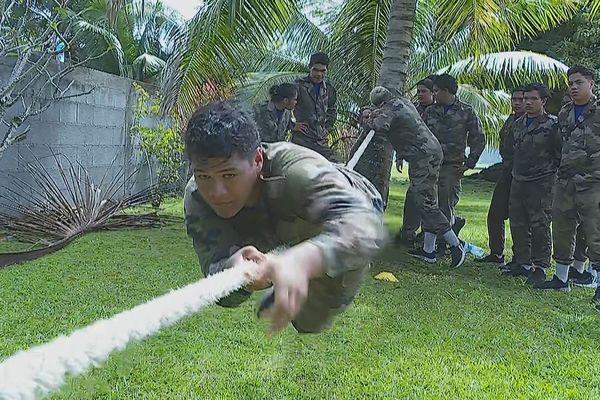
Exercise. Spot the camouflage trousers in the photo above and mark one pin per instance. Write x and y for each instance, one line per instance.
(423, 174)
(411, 217)
(318, 145)
(580, 253)
(327, 297)
(498, 213)
(530, 214)
(449, 188)
(576, 206)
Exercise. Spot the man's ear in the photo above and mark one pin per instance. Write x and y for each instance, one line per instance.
(258, 159)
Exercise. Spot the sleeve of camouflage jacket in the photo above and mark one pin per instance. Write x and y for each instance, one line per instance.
(213, 243)
(556, 138)
(352, 227)
(475, 140)
(331, 108)
(508, 148)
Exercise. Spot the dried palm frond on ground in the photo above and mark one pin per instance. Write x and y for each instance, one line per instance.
(53, 209)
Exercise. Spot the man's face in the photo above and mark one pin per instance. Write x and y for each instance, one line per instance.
(318, 72)
(442, 96)
(228, 185)
(580, 88)
(534, 105)
(517, 103)
(424, 95)
(290, 104)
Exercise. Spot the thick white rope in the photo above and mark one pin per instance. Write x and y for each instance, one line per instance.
(37, 371)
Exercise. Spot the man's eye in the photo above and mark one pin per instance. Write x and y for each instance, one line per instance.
(203, 177)
(229, 176)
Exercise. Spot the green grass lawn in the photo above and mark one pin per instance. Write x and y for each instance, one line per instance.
(438, 333)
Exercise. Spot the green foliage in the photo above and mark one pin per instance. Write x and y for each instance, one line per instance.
(162, 141)
(575, 42)
(137, 35)
(474, 39)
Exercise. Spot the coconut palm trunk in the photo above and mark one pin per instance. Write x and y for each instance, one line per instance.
(376, 162)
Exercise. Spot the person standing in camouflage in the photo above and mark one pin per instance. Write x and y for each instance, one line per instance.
(536, 156)
(577, 190)
(316, 108)
(411, 218)
(274, 117)
(456, 126)
(398, 119)
(498, 211)
(321, 222)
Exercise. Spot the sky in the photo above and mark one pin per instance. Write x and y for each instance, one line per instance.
(187, 8)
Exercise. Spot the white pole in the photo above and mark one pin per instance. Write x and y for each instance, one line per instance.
(361, 149)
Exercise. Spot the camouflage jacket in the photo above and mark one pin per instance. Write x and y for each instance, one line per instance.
(273, 126)
(580, 159)
(304, 197)
(506, 143)
(456, 128)
(536, 148)
(318, 111)
(399, 121)
(421, 108)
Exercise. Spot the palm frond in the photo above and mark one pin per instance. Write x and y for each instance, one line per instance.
(109, 39)
(492, 107)
(216, 48)
(509, 69)
(256, 86)
(358, 39)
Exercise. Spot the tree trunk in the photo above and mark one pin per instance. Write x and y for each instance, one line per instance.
(376, 163)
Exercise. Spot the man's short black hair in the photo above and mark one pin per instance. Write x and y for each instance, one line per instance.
(585, 71)
(518, 89)
(319, 58)
(542, 90)
(221, 129)
(446, 82)
(428, 83)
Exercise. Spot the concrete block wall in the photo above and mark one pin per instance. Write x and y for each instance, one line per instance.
(93, 130)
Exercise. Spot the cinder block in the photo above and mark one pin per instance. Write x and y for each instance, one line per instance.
(119, 100)
(44, 132)
(109, 117)
(52, 114)
(94, 136)
(9, 161)
(104, 156)
(85, 114)
(68, 112)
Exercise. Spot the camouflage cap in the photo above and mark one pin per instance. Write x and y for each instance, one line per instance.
(379, 95)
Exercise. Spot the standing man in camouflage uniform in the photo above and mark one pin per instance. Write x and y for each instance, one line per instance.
(274, 117)
(536, 156)
(577, 190)
(398, 119)
(498, 211)
(246, 199)
(411, 218)
(316, 108)
(456, 126)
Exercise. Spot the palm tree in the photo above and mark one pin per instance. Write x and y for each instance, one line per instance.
(138, 35)
(227, 44)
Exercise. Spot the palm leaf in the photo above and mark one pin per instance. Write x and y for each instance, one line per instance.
(256, 86)
(492, 107)
(509, 69)
(112, 42)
